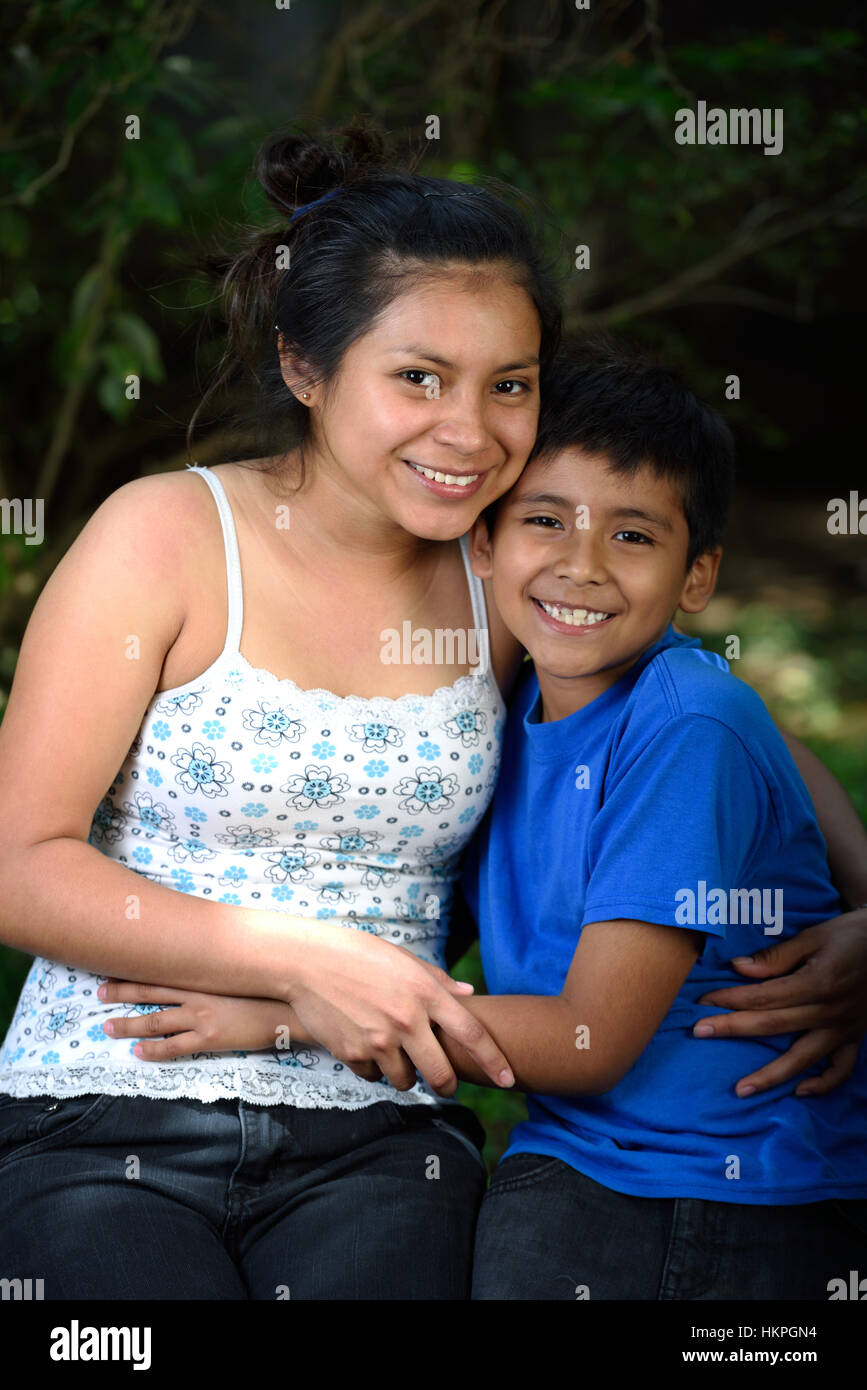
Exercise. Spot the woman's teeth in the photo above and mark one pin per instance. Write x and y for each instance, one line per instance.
(462, 481)
(573, 617)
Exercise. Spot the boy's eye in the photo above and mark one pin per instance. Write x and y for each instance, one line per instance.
(634, 536)
(545, 520)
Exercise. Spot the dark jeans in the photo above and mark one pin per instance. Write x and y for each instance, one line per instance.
(133, 1198)
(546, 1231)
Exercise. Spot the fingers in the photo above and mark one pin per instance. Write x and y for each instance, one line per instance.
(760, 1025)
(780, 956)
(458, 1023)
(805, 1052)
(842, 1065)
(455, 986)
(801, 988)
(149, 1028)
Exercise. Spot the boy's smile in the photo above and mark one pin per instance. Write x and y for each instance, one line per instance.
(588, 567)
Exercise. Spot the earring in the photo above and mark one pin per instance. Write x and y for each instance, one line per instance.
(305, 394)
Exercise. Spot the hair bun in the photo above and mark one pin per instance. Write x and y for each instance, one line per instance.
(296, 169)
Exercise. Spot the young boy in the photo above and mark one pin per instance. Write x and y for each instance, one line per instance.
(648, 825)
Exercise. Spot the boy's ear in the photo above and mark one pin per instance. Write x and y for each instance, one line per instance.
(481, 557)
(700, 581)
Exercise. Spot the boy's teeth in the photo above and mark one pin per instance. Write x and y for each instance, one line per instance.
(444, 477)
(573, 617)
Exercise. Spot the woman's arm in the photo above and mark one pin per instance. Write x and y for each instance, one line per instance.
(839, 822)
(89, 664)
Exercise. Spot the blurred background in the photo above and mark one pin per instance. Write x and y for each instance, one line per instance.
(728, 261)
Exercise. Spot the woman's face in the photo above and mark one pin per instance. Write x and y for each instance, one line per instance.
(447, 381)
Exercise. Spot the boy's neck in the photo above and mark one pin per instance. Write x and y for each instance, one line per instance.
(562, 696)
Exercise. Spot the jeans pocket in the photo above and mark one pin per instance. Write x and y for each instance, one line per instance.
(464, 1139)
(30, 1124)
(522, 1170)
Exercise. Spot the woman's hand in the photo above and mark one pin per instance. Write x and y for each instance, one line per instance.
(373, 1006)
(199, 1022)
(825, 998)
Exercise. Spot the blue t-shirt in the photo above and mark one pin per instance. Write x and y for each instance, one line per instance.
(673, 782)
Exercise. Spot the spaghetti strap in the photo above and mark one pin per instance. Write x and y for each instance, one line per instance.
(234, 586)
(480, 610)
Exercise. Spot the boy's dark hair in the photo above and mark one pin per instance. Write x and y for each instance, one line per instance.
(607, 397)
(371, 229)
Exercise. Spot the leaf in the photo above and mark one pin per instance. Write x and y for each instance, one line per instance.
(143, 342)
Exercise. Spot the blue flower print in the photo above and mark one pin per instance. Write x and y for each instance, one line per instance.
(375, 736)
(324, 749)
(282, 893)
(212, 728)
(195, 815)
(161, 729)
(154, 816)
(272, 724)
(263, 762)
(410, 831)
(179, 704)
(367, 812)
(294, 864)
(322, 913)
(153, 777)
(201, 772)
(295, 1057)
(96, 1034)
(428, 750)
(245, 838)
(475, 764)
(56, 1022)
(376, 768)
(305, 825)
(351, 841)
(466, 725)
(107, 826)
(183, 881)
(254, 808)
(234, 875)
(50, 1058)
(374, 877)
(181, 850)
(230, 898)
(466, 816)
(430, 789)
(317, 787)
(334, 892)
(142, 854)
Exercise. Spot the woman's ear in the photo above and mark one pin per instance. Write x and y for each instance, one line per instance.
(296, 372)
(700, 581)
(481, 559)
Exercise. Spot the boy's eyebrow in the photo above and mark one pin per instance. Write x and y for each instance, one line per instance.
(550, 499)
(416, 350)
(641, 515)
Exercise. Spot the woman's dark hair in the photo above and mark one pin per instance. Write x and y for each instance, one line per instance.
(384, 229)
(607, 397)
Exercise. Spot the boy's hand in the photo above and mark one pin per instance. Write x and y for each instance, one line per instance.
(199, 1022)
(826, 996)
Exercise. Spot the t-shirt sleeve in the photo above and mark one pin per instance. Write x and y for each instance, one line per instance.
(692, 806)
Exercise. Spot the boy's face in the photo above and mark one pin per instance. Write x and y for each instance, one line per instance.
(588, 568)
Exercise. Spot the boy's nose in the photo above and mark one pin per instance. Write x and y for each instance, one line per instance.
(581, 559)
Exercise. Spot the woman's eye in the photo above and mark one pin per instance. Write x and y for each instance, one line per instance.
(417, 371)
(634, 536)
(522, 384)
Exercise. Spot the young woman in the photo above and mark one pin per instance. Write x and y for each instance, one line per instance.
(273, 758)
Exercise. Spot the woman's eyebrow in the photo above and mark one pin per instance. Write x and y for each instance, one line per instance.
(416, 350)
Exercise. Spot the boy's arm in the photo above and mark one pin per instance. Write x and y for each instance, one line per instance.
(623, 979)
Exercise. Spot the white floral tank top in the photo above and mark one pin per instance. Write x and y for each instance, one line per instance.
(243, 787)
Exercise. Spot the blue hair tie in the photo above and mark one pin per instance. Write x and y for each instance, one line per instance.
(315, 203)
